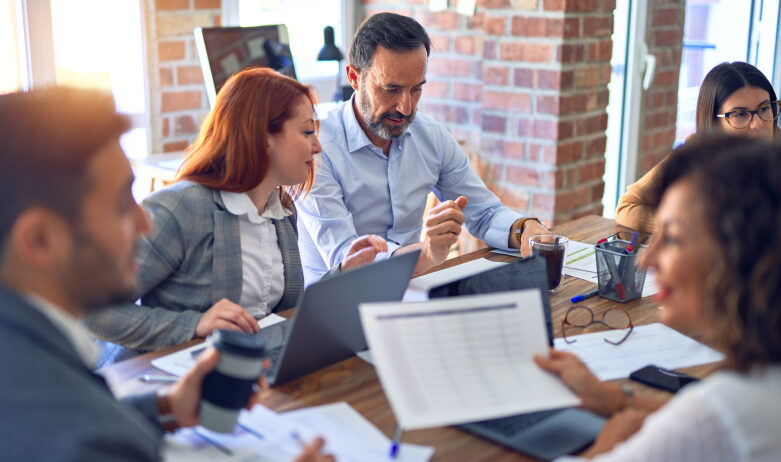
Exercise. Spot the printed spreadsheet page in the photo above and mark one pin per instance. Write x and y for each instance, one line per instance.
(462, 359)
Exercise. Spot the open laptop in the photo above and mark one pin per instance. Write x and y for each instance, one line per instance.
(326, 327)
(545, 435)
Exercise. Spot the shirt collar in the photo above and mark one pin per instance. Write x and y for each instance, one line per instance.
(240, 204)
(71, 328)
(356, 137)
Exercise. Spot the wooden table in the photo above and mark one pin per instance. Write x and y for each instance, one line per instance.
(355, 381)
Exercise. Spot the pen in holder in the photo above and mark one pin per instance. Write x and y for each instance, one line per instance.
(619, 278)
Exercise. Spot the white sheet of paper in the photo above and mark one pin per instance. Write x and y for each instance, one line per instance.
(650, 344)
(466, 7)
(448, 275)
(180, 362)
(462, 359)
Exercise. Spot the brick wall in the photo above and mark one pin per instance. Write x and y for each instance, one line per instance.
(664, 38)
(177, 95)
(526, 82)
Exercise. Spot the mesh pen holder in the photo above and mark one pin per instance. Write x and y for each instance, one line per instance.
(619, 277)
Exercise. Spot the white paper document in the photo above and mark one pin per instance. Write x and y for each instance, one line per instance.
(650, 344)
(462, 359)
(180, 362)
(448, 275)
(263, 435)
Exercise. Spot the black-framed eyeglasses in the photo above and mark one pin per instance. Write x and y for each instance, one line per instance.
(580, 317)
(740, 118)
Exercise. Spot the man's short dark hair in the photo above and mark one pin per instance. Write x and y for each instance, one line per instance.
(392, 31)
(47, 139)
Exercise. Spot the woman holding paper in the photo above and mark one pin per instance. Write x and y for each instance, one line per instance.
(223, 249)
(735, 98)
(719, 275)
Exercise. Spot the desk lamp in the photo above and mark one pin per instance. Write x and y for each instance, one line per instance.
(330, 52)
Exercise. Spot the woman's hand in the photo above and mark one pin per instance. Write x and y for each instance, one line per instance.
(363, 250)
(311, 452)
(595, 396)
(226, 315)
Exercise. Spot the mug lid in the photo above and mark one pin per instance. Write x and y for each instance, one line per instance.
(238, 343)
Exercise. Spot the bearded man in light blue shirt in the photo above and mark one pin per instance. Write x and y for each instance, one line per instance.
(380, 160)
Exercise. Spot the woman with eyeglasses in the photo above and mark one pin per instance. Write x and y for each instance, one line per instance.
(735, 98)
(718, 269)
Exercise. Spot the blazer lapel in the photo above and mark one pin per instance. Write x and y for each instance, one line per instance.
(287, 237)
(226, 255)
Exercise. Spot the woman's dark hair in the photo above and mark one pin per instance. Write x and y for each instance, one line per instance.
(720, 83)
(738, 181)
(231, 151)
(392, 31)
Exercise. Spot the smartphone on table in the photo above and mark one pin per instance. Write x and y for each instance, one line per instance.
(660, 377)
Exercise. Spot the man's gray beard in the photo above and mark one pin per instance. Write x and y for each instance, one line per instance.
(377, 127)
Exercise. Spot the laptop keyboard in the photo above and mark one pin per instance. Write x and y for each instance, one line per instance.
(509, 426)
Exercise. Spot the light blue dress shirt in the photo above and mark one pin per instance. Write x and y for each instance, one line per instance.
(359, 190)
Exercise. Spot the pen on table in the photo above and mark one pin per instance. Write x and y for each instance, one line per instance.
(158, 378)
(213, 442)
(581, 297)
(297, 438)
(394, 449)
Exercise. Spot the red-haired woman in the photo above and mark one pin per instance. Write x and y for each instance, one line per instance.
(223, 249)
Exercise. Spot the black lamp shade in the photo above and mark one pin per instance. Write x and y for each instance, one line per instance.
(329, 52)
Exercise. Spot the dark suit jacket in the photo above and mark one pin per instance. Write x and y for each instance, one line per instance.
(53, 408)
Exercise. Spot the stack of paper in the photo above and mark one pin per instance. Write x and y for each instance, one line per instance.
(263, 435)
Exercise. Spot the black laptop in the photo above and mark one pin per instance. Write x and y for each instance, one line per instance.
(326, 327)
(545, 435)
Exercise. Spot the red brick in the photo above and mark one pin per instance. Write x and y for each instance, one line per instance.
(543, 202)
(530, 52)
(525, 127)
(566, 129)
(545, 128)
(185, 125)
(553, 5)
(516, 198)
(475, 21)
(495, 26)
(490, 4)
(665, 17)
(591, 171)
(436, 89)
(571, 27)
(166, 127)
(571, 200)
(596, 147)
(439, 42)
(186, 75)
(208, 4)
(514, 102)
(446, 20)
(465, 45)
(183, 100)
(548, 104)
(569, 152)
(537, 27)
(447, 112)
(523, 175)
(467, 91)
(449, 67)
(597, 191)
(597, 26)
(668, 38)
(666, 79)
(570, 53)
(587, 77)
(496, 75)
(175, 146)
(489, 49)
(170, 51)
(166, 77)
(494, 124)
(523, 78)
(548, 80)
(514, 149)
(165, 5)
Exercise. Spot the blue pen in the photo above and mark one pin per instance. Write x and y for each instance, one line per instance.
(581, 297)
(394, 449)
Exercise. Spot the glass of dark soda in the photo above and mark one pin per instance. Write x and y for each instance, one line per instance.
(551, 247)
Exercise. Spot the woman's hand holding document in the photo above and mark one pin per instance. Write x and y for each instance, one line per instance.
(456, 360)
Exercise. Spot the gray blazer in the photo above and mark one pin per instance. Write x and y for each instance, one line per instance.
(190, 260)
(54, 407)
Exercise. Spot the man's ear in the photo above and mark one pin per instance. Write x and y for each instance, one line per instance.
(353, 76)
(40, 238)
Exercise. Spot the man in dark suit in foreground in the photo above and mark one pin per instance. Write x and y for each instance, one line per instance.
(68, 230)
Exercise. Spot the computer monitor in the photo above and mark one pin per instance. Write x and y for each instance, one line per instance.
(223, 51)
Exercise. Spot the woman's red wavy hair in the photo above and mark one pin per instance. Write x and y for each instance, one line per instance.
(231, 151)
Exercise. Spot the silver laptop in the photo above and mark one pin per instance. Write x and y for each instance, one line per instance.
(326, 327)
